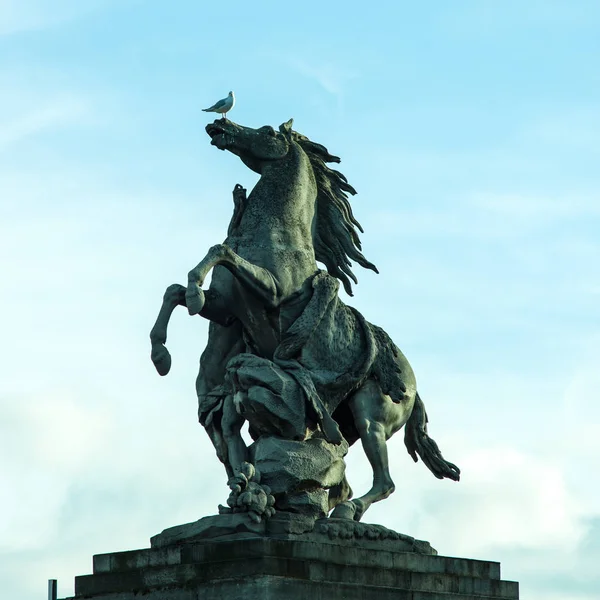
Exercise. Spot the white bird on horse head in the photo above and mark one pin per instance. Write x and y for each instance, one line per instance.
(222, 106)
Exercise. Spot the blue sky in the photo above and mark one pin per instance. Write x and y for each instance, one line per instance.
(471, 131)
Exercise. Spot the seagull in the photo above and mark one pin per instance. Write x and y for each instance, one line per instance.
(222, 106)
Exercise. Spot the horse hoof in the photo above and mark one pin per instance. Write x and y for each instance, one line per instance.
(345, 510)
(162, 359)
(360, 509)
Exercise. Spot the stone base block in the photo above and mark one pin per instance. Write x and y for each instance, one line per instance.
(291, 569)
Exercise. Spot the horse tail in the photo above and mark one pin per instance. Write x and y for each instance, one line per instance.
(418, 443)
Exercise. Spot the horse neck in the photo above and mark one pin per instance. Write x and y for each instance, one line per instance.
(284, 197)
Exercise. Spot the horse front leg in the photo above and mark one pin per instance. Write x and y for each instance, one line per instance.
(213, 308)
(258, 280)
(174, 296)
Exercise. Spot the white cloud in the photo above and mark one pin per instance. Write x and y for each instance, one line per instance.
(578, 440)
(83, 472)
(49, 438)
(507, 499)
(53, 114)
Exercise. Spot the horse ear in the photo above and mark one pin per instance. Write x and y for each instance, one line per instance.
(286, 128)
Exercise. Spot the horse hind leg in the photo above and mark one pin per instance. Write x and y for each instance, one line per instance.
(376, 418)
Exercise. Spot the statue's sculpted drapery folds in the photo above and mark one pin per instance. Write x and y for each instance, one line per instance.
(308, 373)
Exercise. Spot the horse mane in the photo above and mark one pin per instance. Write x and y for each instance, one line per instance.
(335, 235)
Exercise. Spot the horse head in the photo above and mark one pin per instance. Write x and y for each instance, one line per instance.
(255, 147)
(335, 229)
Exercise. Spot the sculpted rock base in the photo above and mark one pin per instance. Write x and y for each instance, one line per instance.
(299, 474)
(291, 526)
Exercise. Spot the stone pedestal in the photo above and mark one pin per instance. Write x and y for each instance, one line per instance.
(332, 560)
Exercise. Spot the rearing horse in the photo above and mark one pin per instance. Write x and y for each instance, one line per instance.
(273, 311)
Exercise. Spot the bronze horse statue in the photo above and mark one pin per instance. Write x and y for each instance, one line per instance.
(284, 352)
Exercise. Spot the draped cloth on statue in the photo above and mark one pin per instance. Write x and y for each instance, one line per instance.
(327, 353)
